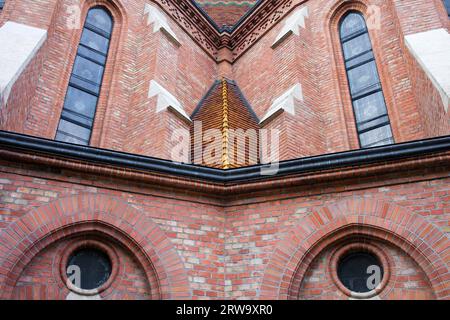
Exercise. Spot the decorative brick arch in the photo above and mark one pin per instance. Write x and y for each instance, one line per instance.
(425, 243)
(101, 215)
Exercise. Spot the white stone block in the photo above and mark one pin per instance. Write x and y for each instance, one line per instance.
(166, 100)
(19, 44)
(160, 23)
(431, 49)
(286, 102)
(292, 25)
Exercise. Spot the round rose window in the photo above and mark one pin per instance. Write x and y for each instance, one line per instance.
(360, 272)
(88, 268)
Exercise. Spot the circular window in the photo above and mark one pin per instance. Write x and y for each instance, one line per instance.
(88, 268)
(360, 272)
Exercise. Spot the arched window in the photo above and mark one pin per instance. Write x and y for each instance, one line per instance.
(77, 118)
(2, 4)
(369, 106)
(447, 6)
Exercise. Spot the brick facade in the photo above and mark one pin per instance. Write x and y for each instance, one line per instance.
(189, 238)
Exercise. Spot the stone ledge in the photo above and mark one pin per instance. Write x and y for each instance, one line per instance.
(166, 101)
(19, 45)
(431, 49)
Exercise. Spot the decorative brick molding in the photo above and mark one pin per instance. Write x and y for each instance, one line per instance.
(193, 22)
(103, 216)
(261, 20)
(159, 21)
(425, 243)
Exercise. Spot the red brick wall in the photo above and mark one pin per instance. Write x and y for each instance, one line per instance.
(41, 279)
(226, 252)
(408, 281)
(436, 121)
(137, 55)
(314, 59)
(227, 15)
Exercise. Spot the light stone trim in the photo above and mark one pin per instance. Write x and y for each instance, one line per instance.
(431, 49)
(292, 25)
(286, 102)
(19, 44)
(160, 23)
(166, 100)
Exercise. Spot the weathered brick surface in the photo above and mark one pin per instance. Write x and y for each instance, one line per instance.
(41, 279)
(408, 281)
(229, 252)
(185, 244)
(126, 118)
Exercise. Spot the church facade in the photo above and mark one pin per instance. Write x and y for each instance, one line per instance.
(233, 149)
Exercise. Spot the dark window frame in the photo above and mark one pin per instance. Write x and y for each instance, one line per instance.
(91, 257)
(84, 85)
(350, 276)
(367, 91)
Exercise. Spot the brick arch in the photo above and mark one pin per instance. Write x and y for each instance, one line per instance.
(425, 243)
(101, 215)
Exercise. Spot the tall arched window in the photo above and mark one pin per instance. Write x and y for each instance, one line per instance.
(2, 3)
(369, 106)
(77, 118)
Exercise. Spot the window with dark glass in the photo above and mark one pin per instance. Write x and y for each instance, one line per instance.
(447, 6)
(2, 4)
(77, 118)
(369, 105)
(94, 268)
(354, 271)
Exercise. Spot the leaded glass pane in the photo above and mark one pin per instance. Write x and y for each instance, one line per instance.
(94, 265)
(77, 117)
(369, 107)
(100, 19)
(363, 78)
(354, 271)
(352, 24)
(357, 46)
(95, 41)
(80, 102)
(88, 70)
(369, 138)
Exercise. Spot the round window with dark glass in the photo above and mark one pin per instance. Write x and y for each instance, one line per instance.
(360, 272)
(88, 269)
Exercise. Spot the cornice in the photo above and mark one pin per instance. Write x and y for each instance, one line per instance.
(329, 168)
(262, 17)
